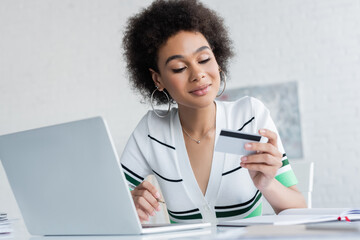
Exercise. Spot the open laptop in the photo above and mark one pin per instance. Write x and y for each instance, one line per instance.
(67, 180)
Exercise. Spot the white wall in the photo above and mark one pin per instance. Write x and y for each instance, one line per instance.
(61, 60)
(317, 43)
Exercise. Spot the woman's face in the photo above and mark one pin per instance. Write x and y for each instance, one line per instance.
(188, 70)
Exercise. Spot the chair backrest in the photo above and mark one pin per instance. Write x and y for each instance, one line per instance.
(304, 172)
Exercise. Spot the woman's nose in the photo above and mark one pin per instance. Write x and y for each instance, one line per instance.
(197, 74)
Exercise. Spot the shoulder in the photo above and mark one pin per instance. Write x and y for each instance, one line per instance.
(153, 126)
(150, 120)
(155, 122)
(245, 104)
(246, 113)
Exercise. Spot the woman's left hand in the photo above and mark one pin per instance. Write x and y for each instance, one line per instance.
(264, 164)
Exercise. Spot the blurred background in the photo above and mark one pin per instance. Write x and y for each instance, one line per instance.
(62, 61)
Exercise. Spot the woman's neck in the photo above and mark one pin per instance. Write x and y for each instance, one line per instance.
(197, 121)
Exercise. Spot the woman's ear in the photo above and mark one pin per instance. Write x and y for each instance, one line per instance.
(157, 79)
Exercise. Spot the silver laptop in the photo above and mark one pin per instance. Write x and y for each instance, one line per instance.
(67, 180)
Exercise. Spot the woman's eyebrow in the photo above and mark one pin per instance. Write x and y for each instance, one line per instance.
(181, 56)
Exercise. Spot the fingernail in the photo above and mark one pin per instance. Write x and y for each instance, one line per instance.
(248, 145)
(157, 195)
(262, 131)
(158, 209)
(152, 214)
(243, 159)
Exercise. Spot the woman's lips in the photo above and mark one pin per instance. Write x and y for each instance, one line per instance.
(201, 91)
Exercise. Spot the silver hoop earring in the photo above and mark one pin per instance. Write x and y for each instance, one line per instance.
(152, 105)
(224, 80)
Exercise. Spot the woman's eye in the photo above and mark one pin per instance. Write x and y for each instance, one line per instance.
(178, 70)
(204, 61)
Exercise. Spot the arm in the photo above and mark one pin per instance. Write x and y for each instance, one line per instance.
(134, 161)
(281, 197)
(263, 166)
(146, 199)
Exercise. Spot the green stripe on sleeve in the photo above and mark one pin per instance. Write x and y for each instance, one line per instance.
(285, 162)
(256, 212)
(287, 178)
(132, 180)
(186, 217)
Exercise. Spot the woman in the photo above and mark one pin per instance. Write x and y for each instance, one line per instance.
(177, 52)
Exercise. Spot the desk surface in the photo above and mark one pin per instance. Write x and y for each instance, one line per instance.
(252, 232)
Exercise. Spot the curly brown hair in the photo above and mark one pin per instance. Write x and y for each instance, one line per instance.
(154, 25)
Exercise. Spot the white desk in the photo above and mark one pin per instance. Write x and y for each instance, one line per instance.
(253, 232)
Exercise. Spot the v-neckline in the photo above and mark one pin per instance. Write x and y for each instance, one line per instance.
(185, 165)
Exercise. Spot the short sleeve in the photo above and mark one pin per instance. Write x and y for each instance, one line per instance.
(134, 157)
(285, 175)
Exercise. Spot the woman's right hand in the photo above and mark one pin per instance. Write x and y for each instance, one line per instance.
(145, 197)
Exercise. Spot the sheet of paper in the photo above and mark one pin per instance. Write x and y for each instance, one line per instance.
(279, 220)
(314, 211)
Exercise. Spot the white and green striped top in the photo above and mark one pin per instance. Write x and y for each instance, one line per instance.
(157, 147)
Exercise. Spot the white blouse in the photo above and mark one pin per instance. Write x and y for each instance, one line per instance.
(157, 147)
